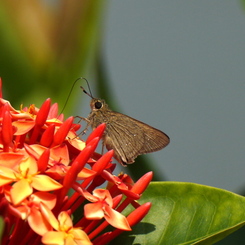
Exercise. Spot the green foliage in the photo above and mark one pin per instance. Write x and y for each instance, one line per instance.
(187, 213)
(1, 227)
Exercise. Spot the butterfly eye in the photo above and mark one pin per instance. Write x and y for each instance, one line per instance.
(98, 105)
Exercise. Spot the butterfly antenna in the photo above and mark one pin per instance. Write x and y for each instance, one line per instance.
(69, 95)
(90, 93)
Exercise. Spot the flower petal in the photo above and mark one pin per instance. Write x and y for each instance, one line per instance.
(76, 143)
(23, 126)
(20, 190)
(85, 173)
(45, 183)
(47, 198)
(81, 237)
(93, 211)
(60, 154)
(47, 213)
(10, 159)
(57, 172)
(28, 165)
(104, 195)
(54, 237)
(65, 220)
(37, 222)
(116, 219)
(7, 175)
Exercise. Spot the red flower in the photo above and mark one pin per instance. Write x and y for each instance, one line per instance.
(30, 210)
(102, 207)
(25, 179)
(64, 232)
(41, 160)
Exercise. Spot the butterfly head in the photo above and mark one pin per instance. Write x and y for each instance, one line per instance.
(98, 104)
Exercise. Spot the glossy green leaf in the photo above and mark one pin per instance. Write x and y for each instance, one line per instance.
(187, 213)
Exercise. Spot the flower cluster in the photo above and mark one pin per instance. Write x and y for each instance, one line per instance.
(48, 175)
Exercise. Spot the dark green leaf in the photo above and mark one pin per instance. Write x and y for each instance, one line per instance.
(187, 213)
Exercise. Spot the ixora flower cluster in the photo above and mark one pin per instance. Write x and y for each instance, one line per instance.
(50, 182)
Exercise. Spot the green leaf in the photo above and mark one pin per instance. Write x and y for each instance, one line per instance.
(1, 228)
(187, 213)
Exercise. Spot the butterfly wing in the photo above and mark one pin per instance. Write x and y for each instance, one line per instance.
(125, 138)
(154, 140)
(129, 138)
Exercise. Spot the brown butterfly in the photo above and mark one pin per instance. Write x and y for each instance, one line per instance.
(127, 136)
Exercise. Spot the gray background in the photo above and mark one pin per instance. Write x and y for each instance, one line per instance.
(179, 66)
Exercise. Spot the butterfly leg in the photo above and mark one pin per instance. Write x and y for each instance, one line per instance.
(86, 120)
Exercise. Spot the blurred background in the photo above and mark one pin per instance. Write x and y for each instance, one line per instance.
(176, 65)
(179, 66)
